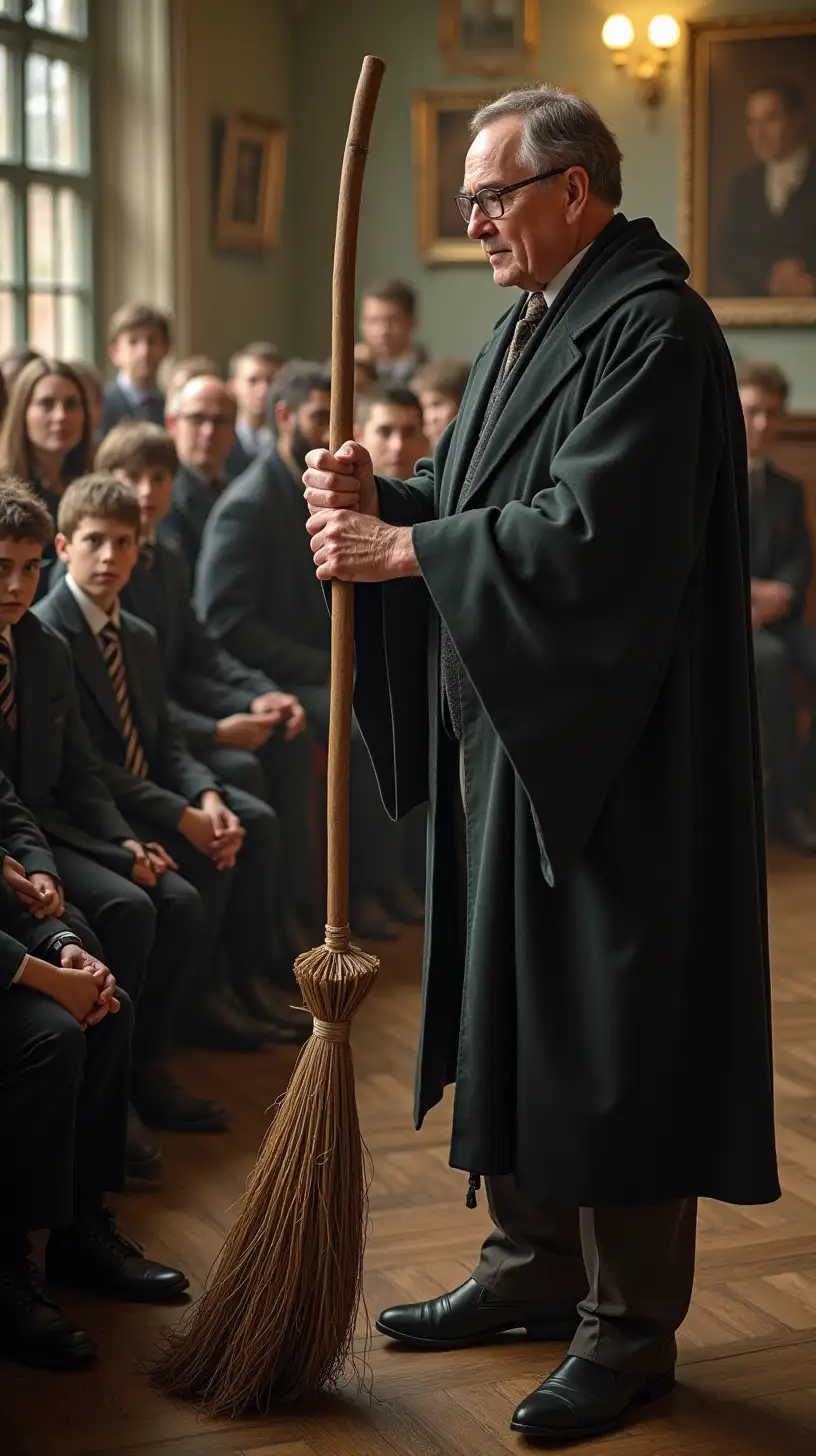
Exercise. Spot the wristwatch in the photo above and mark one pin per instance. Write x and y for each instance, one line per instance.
(58, 942)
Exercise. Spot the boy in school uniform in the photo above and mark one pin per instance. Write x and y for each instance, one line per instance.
(65, 1039)
(235, 718)
(223, 840)
(78, 844)
(138, 342)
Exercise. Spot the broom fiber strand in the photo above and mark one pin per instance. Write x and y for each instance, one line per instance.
(276, 1319)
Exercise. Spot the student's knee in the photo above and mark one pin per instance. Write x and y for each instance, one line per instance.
(242, 770)
(179, 904)
(58, 1051)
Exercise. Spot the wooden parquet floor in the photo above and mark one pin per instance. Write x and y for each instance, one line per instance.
(747, 1378)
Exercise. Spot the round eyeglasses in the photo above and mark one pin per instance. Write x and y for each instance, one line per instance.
(490, 200)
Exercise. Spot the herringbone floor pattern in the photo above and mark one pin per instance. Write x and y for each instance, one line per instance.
(748, 1349)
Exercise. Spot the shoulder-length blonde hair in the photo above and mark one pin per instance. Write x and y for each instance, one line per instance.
(16, 455)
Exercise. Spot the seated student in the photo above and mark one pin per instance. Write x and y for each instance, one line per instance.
(77, 844)
(781, 565)
(388, 421)
(234, 718)
(201, 419)
(161, 789)
(138, 342)
(65, 1031)
(388, 321)
(258, 595)
(365, 372)
(439, 386)
(46, 436)
(251, 372)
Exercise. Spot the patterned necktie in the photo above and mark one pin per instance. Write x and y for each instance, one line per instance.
(525, 328)
(8, 697)
(147, 555)
(135, 761)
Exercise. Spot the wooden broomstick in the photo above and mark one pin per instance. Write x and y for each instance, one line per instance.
(276, 1320)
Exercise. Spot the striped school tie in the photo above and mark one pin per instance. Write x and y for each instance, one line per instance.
(135, 760)
(8, 697)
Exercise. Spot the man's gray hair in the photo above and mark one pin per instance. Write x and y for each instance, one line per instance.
(560, 130)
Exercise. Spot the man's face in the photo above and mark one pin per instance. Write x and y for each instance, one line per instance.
(535, 237)
(152, 486)
(306, 428)
(19, 574)
(763, 413)
(203, 426)
(100, 556)
(772, 131)
(250, 386)
(437, 412)
(386, 328)
(138, 353)
(393, 437)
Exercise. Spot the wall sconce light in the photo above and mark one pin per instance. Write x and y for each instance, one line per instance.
(648, 72)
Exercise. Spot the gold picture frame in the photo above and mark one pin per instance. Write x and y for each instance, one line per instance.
(251, 176)
(744, 248)
(441, 139)
(489, 37)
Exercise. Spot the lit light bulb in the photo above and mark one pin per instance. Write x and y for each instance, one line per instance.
(618, 32)
(664, 32)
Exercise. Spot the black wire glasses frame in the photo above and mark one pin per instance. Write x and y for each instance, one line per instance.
(491, 199)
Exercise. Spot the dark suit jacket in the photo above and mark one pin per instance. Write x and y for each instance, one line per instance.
(753, 238)
(176, 778)
(238, 460)
(51, 761)
(117, 407)
(780, 540)
(205, 683)
(23, 840)
(183, 526)
(255, 588)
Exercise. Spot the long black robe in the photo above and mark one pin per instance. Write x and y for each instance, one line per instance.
(606, 1014)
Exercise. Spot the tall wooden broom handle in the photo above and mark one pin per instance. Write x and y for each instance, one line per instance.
(340, 429)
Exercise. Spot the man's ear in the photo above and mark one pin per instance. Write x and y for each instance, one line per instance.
(283, 414)
(63, 548)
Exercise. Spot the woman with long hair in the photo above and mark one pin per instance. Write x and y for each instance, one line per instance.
(46, 438)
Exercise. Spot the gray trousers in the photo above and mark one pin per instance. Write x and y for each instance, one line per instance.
(629, 1271)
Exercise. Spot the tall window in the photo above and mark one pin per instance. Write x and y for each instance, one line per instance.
(45, 184)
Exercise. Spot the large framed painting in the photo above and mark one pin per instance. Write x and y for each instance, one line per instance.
(751, 168)
(441, 140)
(489, 37)
(251, 166)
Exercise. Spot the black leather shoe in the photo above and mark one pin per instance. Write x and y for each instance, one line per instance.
(217, 1025)
(33, 1330)
(370, 920)
(471, 1315)
(144, 1161)
(160, 1102)
(582, 1399)
(95, 1256)
(273, 1006)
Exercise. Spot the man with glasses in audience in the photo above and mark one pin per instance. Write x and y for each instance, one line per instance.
(201, 419)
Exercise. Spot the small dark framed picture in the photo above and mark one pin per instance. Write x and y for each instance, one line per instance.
(441, 140)
(251, 175)
(489, 37)
(751, 168)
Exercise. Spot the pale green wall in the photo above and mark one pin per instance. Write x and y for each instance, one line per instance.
(237, 57)
(460, 304)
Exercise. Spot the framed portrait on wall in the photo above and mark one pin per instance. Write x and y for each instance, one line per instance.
(441, 140)
(251, 167)
(751, 168)
(489, 37)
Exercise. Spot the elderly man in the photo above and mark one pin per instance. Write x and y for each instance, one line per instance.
(201, 418)
(575, 562)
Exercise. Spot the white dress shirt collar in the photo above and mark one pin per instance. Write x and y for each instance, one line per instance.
(95, 617)
(560, 279)
(785, 177)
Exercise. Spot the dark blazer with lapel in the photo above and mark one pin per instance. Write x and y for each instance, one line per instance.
(238, 460)
(753, 238)
(115, 407)
(183, 526)
(51, 760)
(205, 683)
(780, 540)
(177, 779)
(255, 587)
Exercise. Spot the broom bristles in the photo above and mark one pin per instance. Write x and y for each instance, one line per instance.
(276, 1320)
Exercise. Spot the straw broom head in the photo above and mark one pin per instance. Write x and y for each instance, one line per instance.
(277, 1319)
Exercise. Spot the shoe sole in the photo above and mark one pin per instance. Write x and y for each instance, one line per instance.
(554, 1332)
(133, 1295)
(656, 1389)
